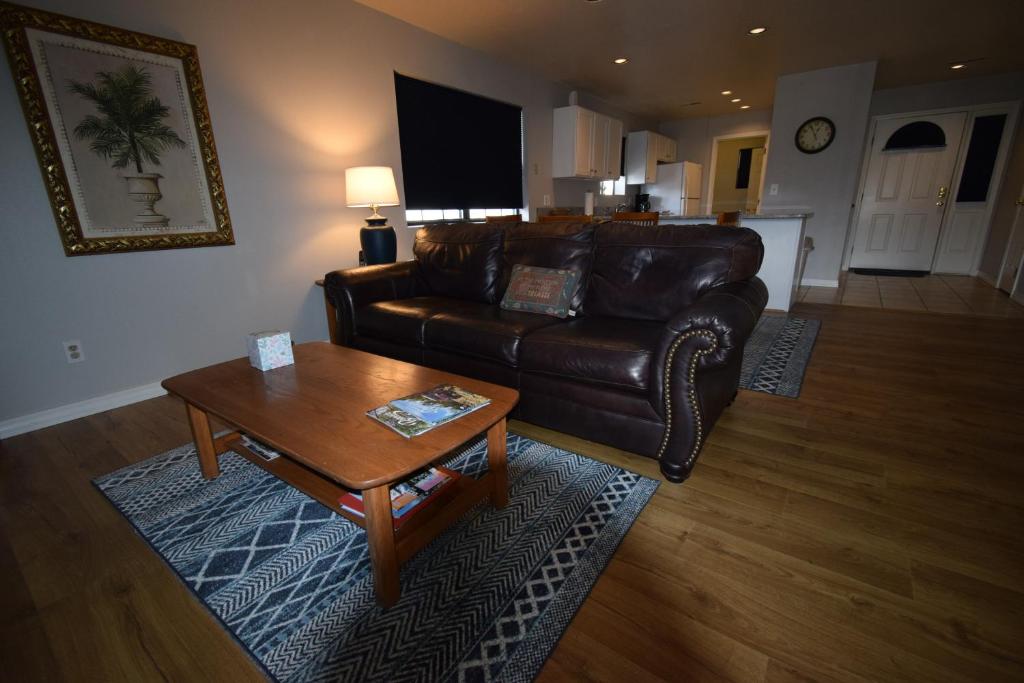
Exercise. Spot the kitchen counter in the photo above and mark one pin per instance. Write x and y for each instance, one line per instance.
(755, 216)
(783, 238)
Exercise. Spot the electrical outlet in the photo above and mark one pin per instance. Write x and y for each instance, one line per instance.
(547, 200)
(773, 189)
(73, 351)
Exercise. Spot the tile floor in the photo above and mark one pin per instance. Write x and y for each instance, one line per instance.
(934, 293)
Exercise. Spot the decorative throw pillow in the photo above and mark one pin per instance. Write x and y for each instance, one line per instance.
(540, 290)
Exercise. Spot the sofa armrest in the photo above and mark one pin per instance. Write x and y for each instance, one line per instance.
(698, 368)
(351, 289)
(729, 311)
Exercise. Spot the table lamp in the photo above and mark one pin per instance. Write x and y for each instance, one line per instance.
(373, 186)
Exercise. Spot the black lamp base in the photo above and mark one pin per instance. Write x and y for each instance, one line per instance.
(379, 244)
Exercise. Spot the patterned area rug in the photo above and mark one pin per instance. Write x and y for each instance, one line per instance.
(487, 600)
(777, 353)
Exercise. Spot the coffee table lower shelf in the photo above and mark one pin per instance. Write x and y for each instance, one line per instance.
(439, 512)
(389, 547)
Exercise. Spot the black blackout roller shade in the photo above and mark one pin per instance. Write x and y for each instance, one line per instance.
(459, 150)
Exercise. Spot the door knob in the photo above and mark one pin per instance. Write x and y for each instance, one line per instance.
(943, 191)
(1020, 202)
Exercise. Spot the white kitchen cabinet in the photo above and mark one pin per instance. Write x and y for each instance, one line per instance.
(586, 144)
(645, 149)
(666, 149)
(613, 160)
(599, 148)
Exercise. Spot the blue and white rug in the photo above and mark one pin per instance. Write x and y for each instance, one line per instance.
(777, 353)
(487, 600)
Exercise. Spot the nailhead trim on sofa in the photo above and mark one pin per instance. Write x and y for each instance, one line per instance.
(692, 393)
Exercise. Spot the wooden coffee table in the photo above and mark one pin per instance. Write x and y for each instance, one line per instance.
(314, 413)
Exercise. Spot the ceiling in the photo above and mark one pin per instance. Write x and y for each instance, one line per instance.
(686, 51)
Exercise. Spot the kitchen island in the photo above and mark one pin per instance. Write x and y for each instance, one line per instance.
(783, 237)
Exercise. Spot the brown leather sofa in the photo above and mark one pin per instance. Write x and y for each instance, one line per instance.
(649, 362)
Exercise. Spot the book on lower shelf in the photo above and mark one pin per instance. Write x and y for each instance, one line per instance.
(259, 448)
(418, 413)
(408, 496)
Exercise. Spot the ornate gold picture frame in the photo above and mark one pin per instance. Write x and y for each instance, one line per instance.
(122, 131)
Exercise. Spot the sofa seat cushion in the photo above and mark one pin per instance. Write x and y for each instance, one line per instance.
(484, 331)
(402, 320)
(609, 351)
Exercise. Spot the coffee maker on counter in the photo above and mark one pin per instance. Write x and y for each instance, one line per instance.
(643, 202)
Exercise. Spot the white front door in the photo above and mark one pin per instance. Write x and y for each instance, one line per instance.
(905, 196)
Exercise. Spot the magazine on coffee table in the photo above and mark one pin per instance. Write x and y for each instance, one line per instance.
(413, 415)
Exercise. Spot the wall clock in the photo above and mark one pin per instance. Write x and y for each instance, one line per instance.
(815, 134)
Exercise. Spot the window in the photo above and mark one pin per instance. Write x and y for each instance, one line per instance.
(916, 135)
(420, 216)
(459, 150)
(614, 188)
(743, 168)
(981, 158)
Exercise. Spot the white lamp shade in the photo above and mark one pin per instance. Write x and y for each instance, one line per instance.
(370, 186)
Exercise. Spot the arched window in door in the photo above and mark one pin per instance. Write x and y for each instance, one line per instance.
(916, 135)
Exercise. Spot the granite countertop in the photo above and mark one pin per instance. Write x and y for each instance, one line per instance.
(763, 215)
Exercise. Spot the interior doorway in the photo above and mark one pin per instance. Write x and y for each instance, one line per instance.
(736, 173)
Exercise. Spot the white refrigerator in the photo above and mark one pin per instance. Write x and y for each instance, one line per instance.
(676, 189)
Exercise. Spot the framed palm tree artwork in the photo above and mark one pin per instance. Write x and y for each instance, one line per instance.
(122, 131)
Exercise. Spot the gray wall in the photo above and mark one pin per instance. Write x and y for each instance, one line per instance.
(957, 93)
(961, 93)
(823, 183)
(296, 96)
(695, 137)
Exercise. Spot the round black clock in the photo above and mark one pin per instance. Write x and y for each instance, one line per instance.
(815, 134)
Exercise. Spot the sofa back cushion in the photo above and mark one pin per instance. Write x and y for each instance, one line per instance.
(567, 246)
(461, 260)
(651, 273)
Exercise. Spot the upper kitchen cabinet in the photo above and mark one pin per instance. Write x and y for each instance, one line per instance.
(613, 161)
(645, 149)
(586, 145)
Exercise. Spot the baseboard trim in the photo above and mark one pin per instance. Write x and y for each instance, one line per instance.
(814, 282)
(73, 411)
(985, 277)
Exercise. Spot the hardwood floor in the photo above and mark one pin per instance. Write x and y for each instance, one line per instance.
(934, 293)
(869, 530)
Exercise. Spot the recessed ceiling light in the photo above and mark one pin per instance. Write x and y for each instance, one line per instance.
(744, 106)
(958, 65)
(727, 92)
(735, 100)
(620, 60)
(757, 30)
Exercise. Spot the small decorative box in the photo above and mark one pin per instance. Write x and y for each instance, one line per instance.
(269, 350)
